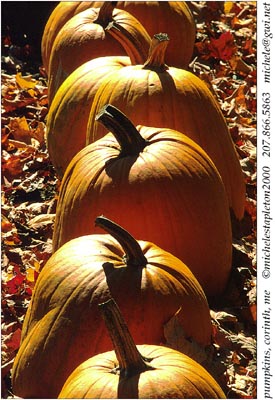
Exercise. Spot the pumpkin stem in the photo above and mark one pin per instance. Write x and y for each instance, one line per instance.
(135, 46)
(133, 252)
(105, 13)
(125, 132)
(130, 361)
(156, 57)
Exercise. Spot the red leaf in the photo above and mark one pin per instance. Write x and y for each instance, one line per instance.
(224, 47)
(13, 340)
(14, 284)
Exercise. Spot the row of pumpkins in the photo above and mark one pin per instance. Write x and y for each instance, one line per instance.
(142, 149)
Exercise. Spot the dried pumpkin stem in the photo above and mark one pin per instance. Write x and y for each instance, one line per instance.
(128, 137)
(135, 45)
(129, 358)
(105, 14)
(133, 252)
(156, 57)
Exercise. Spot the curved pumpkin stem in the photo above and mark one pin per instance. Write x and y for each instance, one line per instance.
(105, 14)
(135, 46)
(128, 137)
(156, 57)
(130, 361)
(133, 252)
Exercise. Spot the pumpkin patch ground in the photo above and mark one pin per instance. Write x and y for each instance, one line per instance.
(224, 57)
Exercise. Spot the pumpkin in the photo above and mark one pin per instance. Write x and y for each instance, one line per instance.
(144, 372)
(63, 326)
(69, 111)
(85, 37)
(64, 11)
(160, 186)
(154, 94)
(173, 17)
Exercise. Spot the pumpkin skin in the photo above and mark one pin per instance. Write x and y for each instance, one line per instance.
(170, 181)
(69, 111)
(173, 17)
(157, 16)
(85, 37)
(63, 326)
(144, 372)
(156, 95)
(175, 371)
(64, 11)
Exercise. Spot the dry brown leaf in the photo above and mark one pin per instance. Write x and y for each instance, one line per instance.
(20, 130)
(243, 386)
(17, 102)
(39, 132)
(40, 222)
(12, 165)
(238, 64)
(221, 316)
(238, 23)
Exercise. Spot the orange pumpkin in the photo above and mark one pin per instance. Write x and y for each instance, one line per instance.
(155, 16)
(69, 111)
(144, 372)
(158, 184)
(85, 37)
(64, 11)
(154, 94)
(63, 326)
(173, 17)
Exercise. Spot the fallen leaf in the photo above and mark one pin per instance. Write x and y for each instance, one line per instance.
(38, 132)
(238, 23)
(20, 130)
(12, 166)
(41, 222)
(12, 341)
(7, 328)
(222, 317)
(26, 82)
(224, 47)
(227, 7)
(238, 64)
(33, 273)
(6, 225)
(13, 285)
(244, 386)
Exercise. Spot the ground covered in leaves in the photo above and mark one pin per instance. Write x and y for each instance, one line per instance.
(225, 58)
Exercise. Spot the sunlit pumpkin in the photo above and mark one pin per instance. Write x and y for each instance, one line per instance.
(69, 111)
(64, 11)
(154, 94)
(63, 326)
(160, 186)
(173, 17)
(143, 372)
(84, 37)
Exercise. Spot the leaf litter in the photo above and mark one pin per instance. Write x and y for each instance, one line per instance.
(225, 58)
